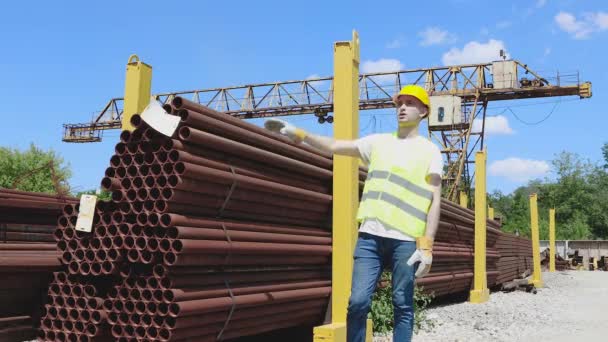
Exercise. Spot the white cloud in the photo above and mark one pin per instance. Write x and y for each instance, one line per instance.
(474, 52)
(382, 65)
(394, 44)
(435, 36)
(519, 170)
(600, 19)
(547, 51)
(540, 3)
(495, 125)
(503, 24)
(315, 84)
(583, 27)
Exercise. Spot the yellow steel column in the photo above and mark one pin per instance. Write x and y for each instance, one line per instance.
(536, 276)
(138, 84)
(464, 199)
(480, 292)
(345, 187)
(490, 213)
(552, 249)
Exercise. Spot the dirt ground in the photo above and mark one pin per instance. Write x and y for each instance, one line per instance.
(572, 306)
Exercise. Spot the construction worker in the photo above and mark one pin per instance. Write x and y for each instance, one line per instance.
(398, 212)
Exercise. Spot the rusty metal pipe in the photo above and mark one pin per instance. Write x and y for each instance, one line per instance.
(217, 161)
(248, 136)
(195, 276)
(196, 188)
(196, 233)
(127, 160)
(164, 207)
(253, 206)
(243, 313)
(200, 138)
(181, 103)
(179, 295)
(166, 335)
(213, 175)
(171, 259)
(168, 220)
(206, 246)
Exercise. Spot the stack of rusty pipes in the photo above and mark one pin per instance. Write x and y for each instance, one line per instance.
(515, 257)
(453, 252)
(220, 223)
(28, 216)
(74, 311)
(16, 328)
(27, 257)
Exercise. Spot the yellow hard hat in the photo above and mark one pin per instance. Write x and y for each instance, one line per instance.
(415, 91)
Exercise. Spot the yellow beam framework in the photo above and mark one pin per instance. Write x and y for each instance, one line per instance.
(490, 213)
(552, 249)
(480, 292)
(138, 85)
(464, 199)
(536, 275)
(345, 188)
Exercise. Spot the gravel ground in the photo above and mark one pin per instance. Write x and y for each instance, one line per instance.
(570, 307)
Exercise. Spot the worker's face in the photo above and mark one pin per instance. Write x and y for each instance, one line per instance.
(410, 110)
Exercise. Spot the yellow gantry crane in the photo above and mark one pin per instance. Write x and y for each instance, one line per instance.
(459, 95)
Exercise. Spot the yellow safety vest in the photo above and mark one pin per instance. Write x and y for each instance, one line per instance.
(398, 197)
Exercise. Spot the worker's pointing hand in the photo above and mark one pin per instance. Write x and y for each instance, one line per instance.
(423, 255)
(285, 128)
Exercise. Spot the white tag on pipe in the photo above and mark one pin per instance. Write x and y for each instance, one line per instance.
(155, 116)
(84, 223)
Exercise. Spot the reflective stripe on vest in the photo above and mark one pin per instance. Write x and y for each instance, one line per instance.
(398, 197)
(393, 178)
(386, 197)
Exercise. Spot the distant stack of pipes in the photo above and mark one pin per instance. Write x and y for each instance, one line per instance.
(28, 257)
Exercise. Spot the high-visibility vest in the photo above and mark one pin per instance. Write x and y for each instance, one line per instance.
(397, 196)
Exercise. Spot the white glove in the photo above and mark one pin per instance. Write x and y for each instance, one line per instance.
(423, 255)
(286, 129)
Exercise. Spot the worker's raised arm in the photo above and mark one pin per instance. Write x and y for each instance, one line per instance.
(326, 144)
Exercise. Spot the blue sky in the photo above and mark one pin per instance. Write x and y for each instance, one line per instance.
(63, 60)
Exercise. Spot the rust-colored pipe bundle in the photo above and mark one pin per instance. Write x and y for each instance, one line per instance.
(221, 223)
(453, 252)
(74, 311)
(516, 257)
(27, 258)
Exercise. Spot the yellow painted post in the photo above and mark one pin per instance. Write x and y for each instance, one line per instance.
(536, 275)
(480, 292)
(345, 187)
(595, 263)
(552, 249)
(138, 85)
(490, 213)
(464, 199)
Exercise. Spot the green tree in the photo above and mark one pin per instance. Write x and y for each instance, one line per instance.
(579, 193)
(102, 195)
(33, 170)
(605, 153)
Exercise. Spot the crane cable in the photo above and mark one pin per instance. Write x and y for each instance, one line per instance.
(537, 122)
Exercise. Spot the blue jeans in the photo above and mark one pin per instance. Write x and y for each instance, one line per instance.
(372, 255)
